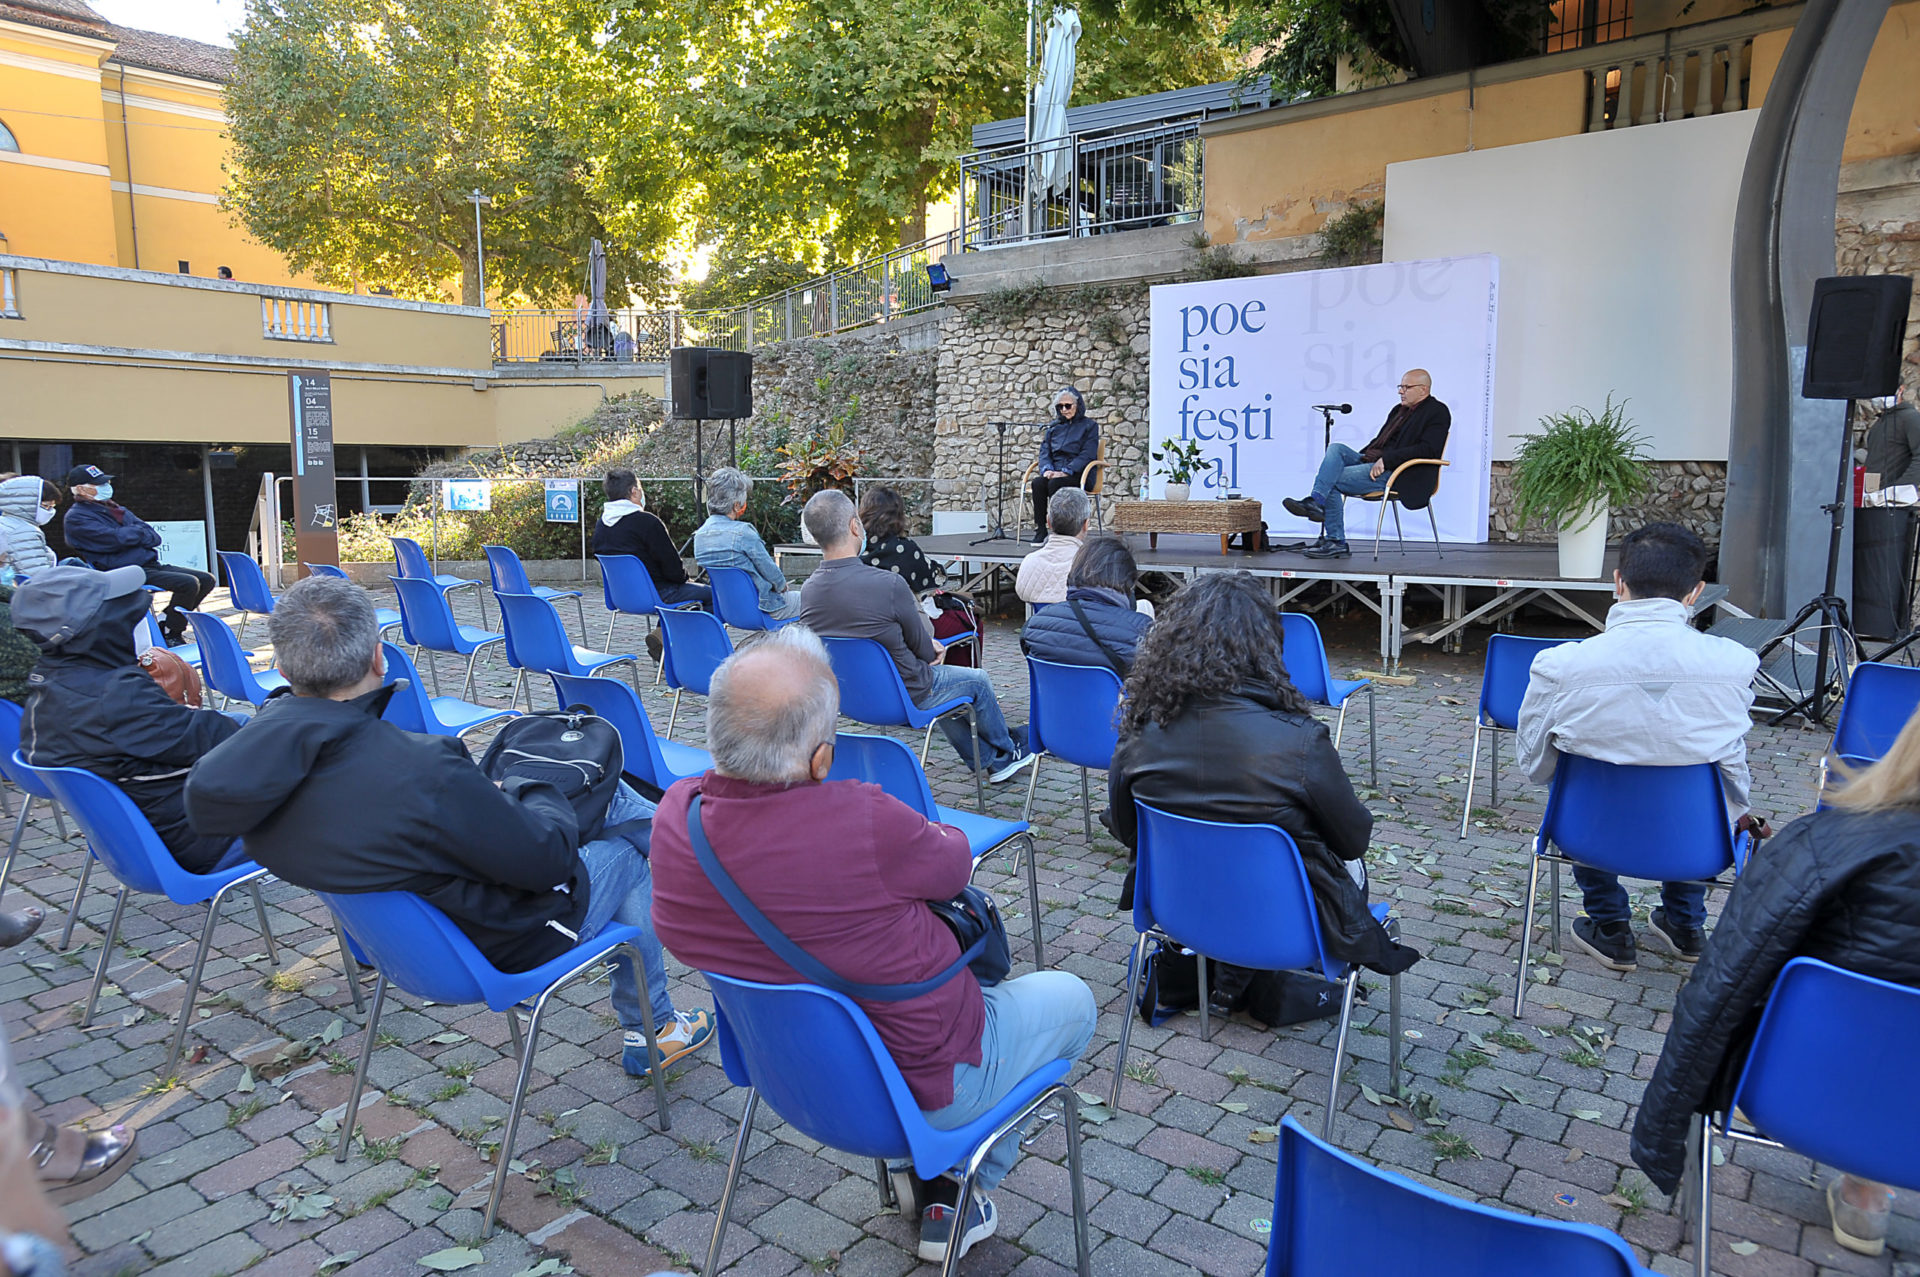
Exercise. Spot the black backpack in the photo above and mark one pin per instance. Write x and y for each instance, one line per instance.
(573, 749)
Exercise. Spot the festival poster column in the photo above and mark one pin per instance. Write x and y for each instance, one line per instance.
(316, 534)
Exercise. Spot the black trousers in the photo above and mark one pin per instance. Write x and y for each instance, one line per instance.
(1043, 490)
(187, 586)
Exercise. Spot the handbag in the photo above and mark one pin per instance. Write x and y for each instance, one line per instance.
(179, 680)
(972, 916)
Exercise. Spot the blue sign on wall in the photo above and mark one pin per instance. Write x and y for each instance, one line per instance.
(563, 501)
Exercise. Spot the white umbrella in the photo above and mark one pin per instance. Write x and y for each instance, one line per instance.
(1054, 169)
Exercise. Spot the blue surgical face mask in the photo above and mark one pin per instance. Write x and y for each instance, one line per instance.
(6, 576)
(103, 492)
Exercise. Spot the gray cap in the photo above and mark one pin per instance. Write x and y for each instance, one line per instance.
(57, 603)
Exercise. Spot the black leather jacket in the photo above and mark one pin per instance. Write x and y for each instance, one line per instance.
(1242, 758)
(1838, 886)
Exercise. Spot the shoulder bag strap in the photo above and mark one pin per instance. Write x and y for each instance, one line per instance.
(1120, 667)
(809, 967)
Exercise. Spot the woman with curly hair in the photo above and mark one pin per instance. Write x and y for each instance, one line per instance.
(1212, 728)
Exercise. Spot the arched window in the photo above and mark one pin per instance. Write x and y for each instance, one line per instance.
(6, 140)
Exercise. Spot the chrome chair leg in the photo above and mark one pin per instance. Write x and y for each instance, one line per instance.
(1373, 741)
(1126, 1019)
(652, 1034)
(1033, 902)
(1526, 933)
(1703, 1219)
(514, 1035)
(1435, 525)
(60, 823)
(266, 931)
(79, 893)
(6, 802)
(1082, 1244)
(519, 678)
(606, 644)
(1026, 809)
(352, 1114)
(884, 1182)
(580, 610)
(1086, 806)
(200, 962)
(1393, 1033)
(734, 1164)
(1206, 1021)
(350, 969)
(13, 844)
(672, 717)
(106, 955)
(979, 784)
(1339, 1052)
(1473, 774)
(1553, 868)
(1493, 772)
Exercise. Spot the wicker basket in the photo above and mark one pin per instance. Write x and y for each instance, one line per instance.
(1202, 518)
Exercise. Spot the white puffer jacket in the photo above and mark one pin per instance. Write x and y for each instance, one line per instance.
(20, 536)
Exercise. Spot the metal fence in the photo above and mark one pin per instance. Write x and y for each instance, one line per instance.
(1082, 186)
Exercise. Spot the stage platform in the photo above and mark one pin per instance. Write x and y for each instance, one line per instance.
(1515, 573)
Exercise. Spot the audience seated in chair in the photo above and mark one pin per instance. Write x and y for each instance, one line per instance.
(91, 705)
(1841, 885)
(627, 527)
(1651, 691)
(726, 540)
(1043, 574)
(844, 870)
(845, 598)
(331, 798)
(888, 547)
(1097, 623)
(1212, 728)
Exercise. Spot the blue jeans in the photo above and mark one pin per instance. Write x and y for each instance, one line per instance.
(1031, 1021)
(621, 890)
(951, 681)
(1606, 900)
(1342, 474)
(689, 592)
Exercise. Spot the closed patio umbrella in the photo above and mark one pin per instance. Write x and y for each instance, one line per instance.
(1053, 170)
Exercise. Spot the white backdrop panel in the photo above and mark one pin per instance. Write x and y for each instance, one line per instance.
(1238, 363)
(1615, 251)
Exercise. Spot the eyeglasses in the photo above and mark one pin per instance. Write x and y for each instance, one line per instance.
(1410, 386)
(1066, 403)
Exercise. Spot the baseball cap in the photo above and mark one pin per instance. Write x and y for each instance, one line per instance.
(87, 474)
(58, 602)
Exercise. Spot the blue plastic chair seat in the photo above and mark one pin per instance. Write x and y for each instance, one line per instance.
(736, 598)
(693, 644)
(871, 692)
(1503, 686)
(1071, 716)
(226, 665)
(412, 709)
(1305, 654)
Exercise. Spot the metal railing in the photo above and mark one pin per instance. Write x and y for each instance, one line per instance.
(619, 336)
(1082, 186)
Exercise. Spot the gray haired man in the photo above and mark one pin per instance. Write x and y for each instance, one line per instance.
(1043, 574)
(727, 540)
(332, 798)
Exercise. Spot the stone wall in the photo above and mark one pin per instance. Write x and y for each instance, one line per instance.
(1878, 233)
(1690, 493)
(880, 390)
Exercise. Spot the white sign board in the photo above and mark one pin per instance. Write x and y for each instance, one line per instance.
(183, 542)
(1238, 364)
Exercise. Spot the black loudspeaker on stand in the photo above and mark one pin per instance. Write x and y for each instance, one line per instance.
(710, 383)
(1853, 352)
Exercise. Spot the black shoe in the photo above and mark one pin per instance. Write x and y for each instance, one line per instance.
(1328, 550)
(1685, 943)
(1305, 508)
(654, 645)
(1612, 944)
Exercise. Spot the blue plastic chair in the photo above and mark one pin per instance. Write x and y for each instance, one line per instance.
(420, 951)
(1238, 894)
(1305, 654)
(693, 644)
(188, 652)
(1880, 699)
(1503, 685)
(537, 641)
(413, 710)
(1334, 1216)
(888, 763)
(1665, 823)
(736, 597)
(1809, 1082)
(226, 664)
(850, 1096)
(871, 692)
(627, 587)
(410, 561)
(125, 842)
(30, 787)
(658, 762)
(385, 617)
(1071, 712)
(246, 587)
(510, 577)
(429, 624)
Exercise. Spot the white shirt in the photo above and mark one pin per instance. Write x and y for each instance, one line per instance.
(1043, 574)
(1651, 691)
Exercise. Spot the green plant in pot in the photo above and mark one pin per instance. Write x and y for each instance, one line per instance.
(1573, 472)
(1179, 462)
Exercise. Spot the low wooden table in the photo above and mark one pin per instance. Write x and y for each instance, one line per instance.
(1225, 519)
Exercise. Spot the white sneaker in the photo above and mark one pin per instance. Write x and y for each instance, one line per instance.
(1013, 768)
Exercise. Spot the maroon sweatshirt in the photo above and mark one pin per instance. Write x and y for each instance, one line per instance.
(845, 871)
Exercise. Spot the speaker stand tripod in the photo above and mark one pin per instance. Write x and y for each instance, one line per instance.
(1828, 606)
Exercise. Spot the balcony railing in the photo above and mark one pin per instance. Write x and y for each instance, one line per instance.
(1082, 186)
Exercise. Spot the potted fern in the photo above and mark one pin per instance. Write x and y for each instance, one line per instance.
(1179, 462)
(1573, 473)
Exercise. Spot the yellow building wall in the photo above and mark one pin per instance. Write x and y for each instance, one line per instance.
(54, 196)
(1886, 109)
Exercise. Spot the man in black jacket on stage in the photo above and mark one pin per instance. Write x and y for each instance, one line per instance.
(1416, 428)
(1070, 444)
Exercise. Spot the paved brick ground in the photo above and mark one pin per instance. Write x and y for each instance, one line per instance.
(237, 1170)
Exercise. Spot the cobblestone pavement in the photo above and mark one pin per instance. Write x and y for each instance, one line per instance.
(236, 1169)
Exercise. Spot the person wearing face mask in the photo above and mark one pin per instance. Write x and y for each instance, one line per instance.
(1069, 446)
(27, 504)
(1651, 691)
(108, 535)
(89, 704)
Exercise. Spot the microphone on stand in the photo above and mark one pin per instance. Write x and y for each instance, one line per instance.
(1333, 407)
(1326, 411)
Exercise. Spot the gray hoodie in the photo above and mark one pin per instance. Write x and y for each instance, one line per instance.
(20, 536)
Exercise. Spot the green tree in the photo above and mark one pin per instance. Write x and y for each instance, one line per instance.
(360, 126)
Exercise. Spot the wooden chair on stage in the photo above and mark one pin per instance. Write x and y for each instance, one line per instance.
(1092, 480)
(1388, 497)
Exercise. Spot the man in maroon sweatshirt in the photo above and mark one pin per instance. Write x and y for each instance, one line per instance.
(845, 872)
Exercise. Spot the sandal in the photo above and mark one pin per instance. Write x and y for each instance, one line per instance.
(15, 927)
(74, 1163)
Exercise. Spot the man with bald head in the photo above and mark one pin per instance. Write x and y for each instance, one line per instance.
(845, 871)
(1416, 428)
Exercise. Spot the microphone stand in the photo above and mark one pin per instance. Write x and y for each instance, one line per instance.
(999, 530)
(1326, 418)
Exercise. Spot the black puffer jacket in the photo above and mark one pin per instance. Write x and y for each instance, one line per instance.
(1055, 632)
(1069, 446)
(1243, 759)
(89, 704)
(1838, 886)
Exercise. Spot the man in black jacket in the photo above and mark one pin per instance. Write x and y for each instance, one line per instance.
(90, 705)
(108, 535)
(331, 798)
(627, 527)
(1416, 428)
(1071, 444)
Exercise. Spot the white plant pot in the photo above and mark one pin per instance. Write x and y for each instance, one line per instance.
(1583, 543)
(1177, 491)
